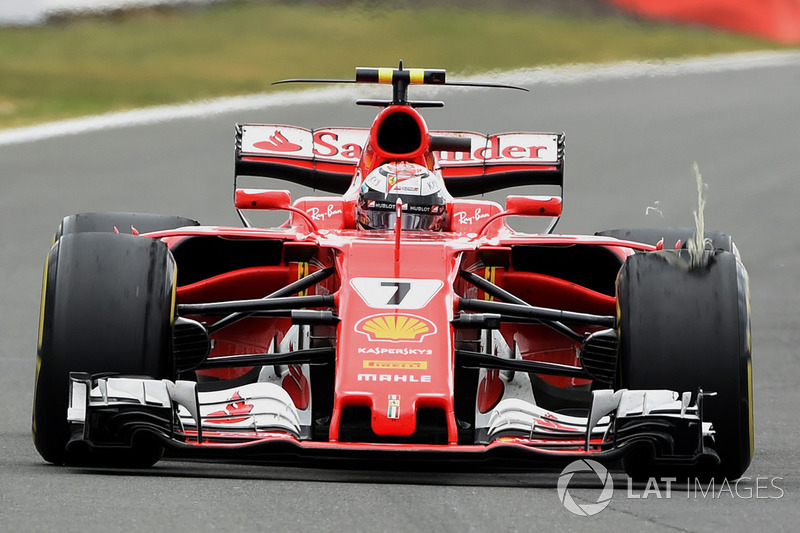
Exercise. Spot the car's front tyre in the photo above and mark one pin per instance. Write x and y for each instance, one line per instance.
(685, 328)
(107, 306)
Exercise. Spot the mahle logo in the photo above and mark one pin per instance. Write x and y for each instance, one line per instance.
(585, 509)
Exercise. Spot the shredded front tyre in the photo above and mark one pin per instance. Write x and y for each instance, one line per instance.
(687, 328)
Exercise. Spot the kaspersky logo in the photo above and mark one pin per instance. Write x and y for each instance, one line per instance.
(395, 327)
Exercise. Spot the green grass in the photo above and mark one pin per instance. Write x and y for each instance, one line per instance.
(96, 65)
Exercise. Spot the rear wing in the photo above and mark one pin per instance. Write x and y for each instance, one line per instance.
(502, 160)
(326, 159)
(323, 159)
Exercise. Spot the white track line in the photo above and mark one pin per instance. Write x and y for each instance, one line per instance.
(558, 75)
(572, 74)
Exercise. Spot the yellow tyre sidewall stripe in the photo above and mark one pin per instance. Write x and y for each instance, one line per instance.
(40, 339)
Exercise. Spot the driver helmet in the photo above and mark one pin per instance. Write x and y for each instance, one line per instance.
(421, 192)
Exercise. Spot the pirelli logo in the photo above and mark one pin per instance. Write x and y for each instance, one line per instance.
(396, 365)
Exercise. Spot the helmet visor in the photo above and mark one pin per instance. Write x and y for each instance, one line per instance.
(382, 215)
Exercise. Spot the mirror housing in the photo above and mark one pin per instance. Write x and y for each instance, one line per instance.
(274, 199)
(528, 206)
(533, 206)
(262, 199)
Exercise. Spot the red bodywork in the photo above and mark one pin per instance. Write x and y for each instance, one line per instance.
(444, 335)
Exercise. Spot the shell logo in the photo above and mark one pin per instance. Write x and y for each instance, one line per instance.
(395, 327)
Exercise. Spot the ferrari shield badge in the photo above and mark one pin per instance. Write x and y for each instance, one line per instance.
(394, 406)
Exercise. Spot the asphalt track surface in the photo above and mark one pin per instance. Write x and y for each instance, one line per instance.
(631, 144)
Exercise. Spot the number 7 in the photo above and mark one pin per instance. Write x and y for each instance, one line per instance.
(402, 288)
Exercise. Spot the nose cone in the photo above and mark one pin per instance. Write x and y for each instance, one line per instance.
(395, 352)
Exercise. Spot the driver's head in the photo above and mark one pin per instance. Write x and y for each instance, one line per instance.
(424, 199)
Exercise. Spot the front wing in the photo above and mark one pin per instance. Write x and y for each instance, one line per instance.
(261, 424)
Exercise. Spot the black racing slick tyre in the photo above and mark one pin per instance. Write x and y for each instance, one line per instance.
(670, 236)
(123, 222)
(686, 328)
(107, 307)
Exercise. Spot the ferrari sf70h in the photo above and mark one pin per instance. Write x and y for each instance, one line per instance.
(398, 319)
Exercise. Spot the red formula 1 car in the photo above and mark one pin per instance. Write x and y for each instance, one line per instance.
(398, 321)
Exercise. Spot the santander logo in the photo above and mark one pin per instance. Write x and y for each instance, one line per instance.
(346, 145)
(279, 143)
(499, 148)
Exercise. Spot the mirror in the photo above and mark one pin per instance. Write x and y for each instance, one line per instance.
(262, 199)
(534, 206)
